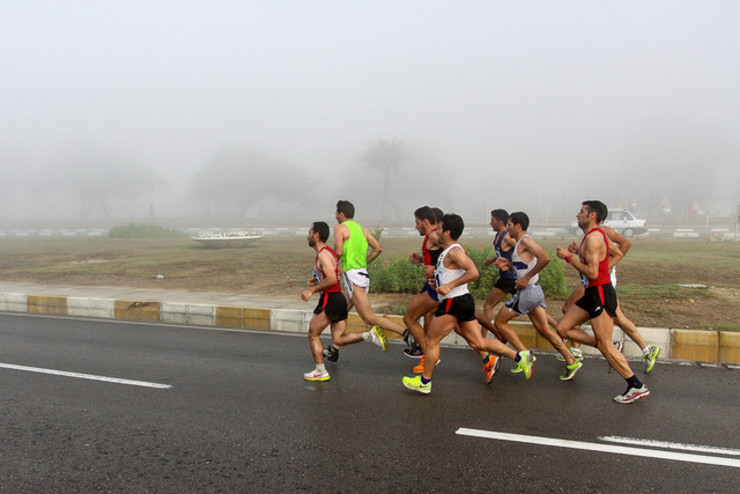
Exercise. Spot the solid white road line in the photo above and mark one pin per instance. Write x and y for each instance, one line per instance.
(90, 377)
(602, 448)
(666, 445)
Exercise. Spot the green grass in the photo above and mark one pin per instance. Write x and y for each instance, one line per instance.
(733, 328)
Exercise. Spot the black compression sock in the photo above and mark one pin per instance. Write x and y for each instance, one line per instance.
(405, 335)
(633, 382)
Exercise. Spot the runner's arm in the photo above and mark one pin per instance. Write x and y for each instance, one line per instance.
(615, 254)
(341, 233)
(508, 242)
(590, 268)
(374, 245)
(623, 242)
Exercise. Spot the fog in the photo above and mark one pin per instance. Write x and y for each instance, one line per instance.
(268, 110)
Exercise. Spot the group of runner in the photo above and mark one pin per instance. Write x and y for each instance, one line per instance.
(445, 304)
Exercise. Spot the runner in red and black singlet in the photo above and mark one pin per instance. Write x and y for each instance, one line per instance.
(453, 271)
(328, 300)
(321, 276)
(603, 277)
(425, 302)
(599, 303)
(332, 307)
(428, 256)
(599, 294)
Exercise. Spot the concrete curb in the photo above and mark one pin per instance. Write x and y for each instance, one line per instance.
(693, 345)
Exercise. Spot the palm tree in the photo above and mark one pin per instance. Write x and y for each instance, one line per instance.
(384, 156)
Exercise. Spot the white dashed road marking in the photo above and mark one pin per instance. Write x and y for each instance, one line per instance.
(602, 448)
(89, 377)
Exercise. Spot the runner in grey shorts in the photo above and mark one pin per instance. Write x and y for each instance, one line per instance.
(528, 259)
(527, 299)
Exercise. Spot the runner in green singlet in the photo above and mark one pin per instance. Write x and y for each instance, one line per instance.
(356, 247)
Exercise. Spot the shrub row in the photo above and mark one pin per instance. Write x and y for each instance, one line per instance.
(398, 275)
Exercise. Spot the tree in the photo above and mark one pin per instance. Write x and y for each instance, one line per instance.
(95, 176)
(235, 180)
(386, 157)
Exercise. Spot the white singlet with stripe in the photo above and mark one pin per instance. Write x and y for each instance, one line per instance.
(521, 267)
(445, 275)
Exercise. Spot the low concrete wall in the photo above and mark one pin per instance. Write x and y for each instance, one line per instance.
(696, 345)
(103, 308)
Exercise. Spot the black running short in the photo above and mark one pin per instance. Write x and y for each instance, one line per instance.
(598, 298)
(461, 308)
(506, 285)
(334, 304)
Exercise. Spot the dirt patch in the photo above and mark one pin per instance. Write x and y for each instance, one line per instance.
(649, 277)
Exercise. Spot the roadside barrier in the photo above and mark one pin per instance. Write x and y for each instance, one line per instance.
(684, 344)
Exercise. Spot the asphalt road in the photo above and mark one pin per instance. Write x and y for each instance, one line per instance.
(238, 416)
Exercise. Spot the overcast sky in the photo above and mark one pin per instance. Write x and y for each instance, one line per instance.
(537, 104)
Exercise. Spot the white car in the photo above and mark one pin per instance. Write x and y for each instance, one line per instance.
(622, 221)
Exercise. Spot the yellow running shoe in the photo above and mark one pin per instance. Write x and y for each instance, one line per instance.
(415, 384)
(526, 363)
(650, 358)
(378, 337)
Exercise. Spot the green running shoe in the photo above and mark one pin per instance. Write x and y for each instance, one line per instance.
(570, 370)
(526, 363)
(518, 369)
(415, 384)
(650, 358)
(379, 338)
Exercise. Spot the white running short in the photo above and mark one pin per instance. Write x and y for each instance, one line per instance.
(357, 277)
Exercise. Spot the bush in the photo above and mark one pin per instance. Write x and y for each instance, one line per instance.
(400, 276)
(395, 276)
(142, 230)
(552, 279)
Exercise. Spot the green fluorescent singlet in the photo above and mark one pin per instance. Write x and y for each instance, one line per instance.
(354, 250)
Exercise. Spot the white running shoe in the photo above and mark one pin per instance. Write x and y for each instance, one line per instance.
(576, 352)
(632, 395)
(316, 375)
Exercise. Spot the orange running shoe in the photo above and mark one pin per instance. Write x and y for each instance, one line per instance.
(491, 367)
(420, 368)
